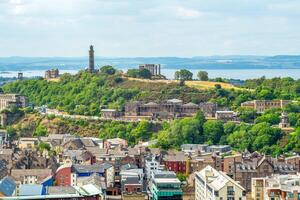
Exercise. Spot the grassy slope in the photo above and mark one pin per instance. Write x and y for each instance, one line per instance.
(195, 84)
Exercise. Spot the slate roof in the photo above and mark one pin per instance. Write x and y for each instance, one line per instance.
(96, 168)
(164, 174)
(7, 186)
(41, 174)
(61, 190)
(88, 142)
(128, 166)
(78, 154)
(30, 190)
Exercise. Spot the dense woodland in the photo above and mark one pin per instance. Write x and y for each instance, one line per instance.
(86, 93)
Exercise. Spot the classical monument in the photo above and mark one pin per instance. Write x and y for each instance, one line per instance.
(153, 68)
(170, 109)
(261, 105)
(91, 67)
(52, 73)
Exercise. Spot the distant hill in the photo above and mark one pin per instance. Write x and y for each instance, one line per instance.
(210, 62)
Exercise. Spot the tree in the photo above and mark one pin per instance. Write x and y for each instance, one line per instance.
(247, 114)
(213, 130)
(262, 135)
(271, 118)
(133, 73)
(107, 69)
(145, 73)
(163, 139)
(40, 131)
(142, 131)
(182, 177)
(11, 132)
(218, 87)
(184, 75)
(44, 146)
(202, 75)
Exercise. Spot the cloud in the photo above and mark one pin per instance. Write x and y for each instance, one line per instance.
(187, 13)
(147, 28)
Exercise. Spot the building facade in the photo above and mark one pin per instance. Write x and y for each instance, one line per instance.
(165, 186)
(262, 105)
(52, 73)
(216, 185)
(7, 100)
(169, 109)
(276, 187)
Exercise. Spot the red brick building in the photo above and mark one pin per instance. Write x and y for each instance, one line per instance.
(63, 176)
(175, 162)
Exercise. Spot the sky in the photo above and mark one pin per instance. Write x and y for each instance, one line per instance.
(135, 28)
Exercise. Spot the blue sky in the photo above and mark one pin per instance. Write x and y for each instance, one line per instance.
(135, 28)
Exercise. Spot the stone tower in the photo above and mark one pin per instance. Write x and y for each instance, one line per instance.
(91, 60)
(20, 76)
(284, 123)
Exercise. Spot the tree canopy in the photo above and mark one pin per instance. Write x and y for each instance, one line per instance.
(183, 75)
(202, 75)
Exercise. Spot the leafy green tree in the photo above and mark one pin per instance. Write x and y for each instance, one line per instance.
(239, 140)
(213, 130)
(247, 114)
(107, 69)
(145, 73)
(142, 131)
(182, 177)
(202, 75)
(44, 146)
(264, 135)
(265, 94)
(163, 139)
(11, 132)
(184, 75)
(229, 127)
(271, 118)
(133, 73)
(40, 131)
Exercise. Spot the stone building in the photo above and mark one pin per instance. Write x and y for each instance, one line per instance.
(7, 100)
(52, 73)
(153, 68)
(169, 109)
(257, 167)
(110, 113)
(262, 105)
(226, 115)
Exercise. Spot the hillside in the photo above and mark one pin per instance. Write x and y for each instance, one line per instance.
(85, 93)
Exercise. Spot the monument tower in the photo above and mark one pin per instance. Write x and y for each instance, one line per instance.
(91, 60)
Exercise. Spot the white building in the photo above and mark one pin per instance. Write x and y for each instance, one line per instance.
(151, 165)
(211, 184)
(276, 187)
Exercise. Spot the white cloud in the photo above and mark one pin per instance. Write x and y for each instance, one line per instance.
(187, 13)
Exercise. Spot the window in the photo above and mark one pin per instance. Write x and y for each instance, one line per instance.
(230, 190)
(216, 193)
